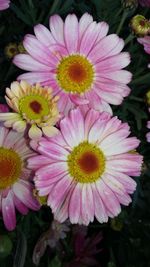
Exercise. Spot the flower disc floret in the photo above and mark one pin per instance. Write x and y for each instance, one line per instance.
(75, 74)
(86, 163)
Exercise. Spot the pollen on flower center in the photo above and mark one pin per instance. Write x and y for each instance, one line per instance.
(10, 167)
(75, 74)
(34, 106)
(86, 163)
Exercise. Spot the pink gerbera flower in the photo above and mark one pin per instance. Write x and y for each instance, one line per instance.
(81, 63)
(4, 4)
(15, 187)
(144, 3)
(85, 169)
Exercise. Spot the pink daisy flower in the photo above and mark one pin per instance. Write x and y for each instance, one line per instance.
(79, 60)
(144, 3)
(85, 169)
(4, 4)
(146, 42)
(15, 186)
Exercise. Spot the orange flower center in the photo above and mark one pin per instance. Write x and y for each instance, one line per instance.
(86, 163)
(10, 167)
(77, 72)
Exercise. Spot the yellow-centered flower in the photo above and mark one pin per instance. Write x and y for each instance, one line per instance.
(33, 106)
(140, 25)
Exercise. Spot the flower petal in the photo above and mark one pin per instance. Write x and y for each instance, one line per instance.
(87, 204)
(35, 132)
(73, 129)
(75, 204)
(107, 47)
(57, 28)
(23, 191)
(27, 62)
(84, 22)
(8, 212)
(39, 51)
(71, 32)
(89, 38)
(44, 35)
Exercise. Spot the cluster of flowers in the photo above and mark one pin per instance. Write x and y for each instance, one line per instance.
(60, 132)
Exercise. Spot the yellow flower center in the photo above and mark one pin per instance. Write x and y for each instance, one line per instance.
(10, 167)
(148, 98)
(75, 74)
(34, 106)
(86, 163)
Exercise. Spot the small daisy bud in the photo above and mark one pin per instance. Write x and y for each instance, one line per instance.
(21, 48)
(116, 224)
(148, 98)
(130, 4)
(11, 50)
(140, 25)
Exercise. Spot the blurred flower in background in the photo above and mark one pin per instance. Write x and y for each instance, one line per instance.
(148, 122)
(146, 43)
(4, 4)
(3, 108)
(148, 134)
(85, 248)
(50, 238)
(145, 3)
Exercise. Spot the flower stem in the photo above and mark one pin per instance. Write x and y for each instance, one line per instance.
(54, 6)
(124, 16)
(129, 39)
(53, 9)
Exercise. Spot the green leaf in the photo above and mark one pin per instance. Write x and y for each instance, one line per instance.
(26, 19)
(21, 250)
(111, 264)
(5, 246)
